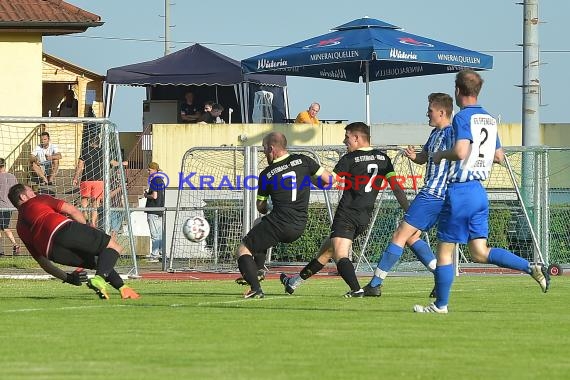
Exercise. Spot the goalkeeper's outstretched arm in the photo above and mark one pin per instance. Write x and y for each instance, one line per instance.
(50, 268)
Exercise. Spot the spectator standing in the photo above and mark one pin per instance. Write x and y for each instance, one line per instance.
(69, 106)
(155, 198)
(189, 111)
(7, 180)
(89, 178)
(309, 116)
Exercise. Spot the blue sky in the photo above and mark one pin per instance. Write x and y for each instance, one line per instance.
(133, 33)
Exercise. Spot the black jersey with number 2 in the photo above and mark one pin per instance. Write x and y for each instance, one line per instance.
(288, 182)
(364, 171)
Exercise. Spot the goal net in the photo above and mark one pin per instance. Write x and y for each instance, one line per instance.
(45, 155)
(218, 190)
(221, 189)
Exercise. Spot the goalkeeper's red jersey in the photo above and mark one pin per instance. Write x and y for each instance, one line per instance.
(39, 218)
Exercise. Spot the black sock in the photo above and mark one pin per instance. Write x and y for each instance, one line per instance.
(115, 280)
(259, 259)
(310, 269)
(106, 263)
(346, 271)
(248, 271)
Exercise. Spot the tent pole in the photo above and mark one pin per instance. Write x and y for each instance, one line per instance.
(286, 96)
(367, 74)
(108, 100)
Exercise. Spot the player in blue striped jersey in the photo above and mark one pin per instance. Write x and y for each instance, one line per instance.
(465, 214)
(426, 206)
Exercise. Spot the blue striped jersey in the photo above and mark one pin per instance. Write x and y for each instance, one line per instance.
(435, 181)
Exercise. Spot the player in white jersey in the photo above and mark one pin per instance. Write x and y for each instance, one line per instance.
(423, 212)
(465, 214)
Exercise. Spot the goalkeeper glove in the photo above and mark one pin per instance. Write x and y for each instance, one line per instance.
(77, 277)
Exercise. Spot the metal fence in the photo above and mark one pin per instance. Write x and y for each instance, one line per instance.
(529, 208)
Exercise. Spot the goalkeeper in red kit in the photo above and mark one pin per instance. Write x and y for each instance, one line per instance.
(55, 231)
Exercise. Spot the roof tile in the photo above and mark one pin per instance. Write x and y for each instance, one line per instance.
(40, 11)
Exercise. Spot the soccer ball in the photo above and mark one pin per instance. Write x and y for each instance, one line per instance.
(196, 229)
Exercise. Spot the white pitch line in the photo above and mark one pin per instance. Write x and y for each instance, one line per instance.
(40, 276)
(243, 300)
(60, 308)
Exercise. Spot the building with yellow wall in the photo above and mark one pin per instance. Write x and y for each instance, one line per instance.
(21, 31)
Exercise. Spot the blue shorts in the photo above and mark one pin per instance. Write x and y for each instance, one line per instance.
(465, 213)
(47, 166)
(424, 211)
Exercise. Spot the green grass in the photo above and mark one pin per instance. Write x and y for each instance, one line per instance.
(499, 327)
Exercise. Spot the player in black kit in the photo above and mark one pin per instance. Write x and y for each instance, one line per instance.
(287, 181)
(359, 173)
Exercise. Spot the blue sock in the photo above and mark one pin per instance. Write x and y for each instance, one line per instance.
(443, 281)
(423, 252)
(389, 258)
(507, 259)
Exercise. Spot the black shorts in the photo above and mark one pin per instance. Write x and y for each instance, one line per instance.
(78, 245)
(266, 234)
(5, 219)
(346, 228)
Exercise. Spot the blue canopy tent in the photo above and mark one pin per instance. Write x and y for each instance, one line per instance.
(209, 74)
(366, 48)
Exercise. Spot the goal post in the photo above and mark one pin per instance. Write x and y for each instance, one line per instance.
(44, 153)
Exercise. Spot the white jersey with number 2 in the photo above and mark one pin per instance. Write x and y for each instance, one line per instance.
(475, 124)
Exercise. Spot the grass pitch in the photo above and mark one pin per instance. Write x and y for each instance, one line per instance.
(499, 327)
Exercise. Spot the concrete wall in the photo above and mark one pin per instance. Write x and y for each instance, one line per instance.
(556, 134)
(171, 141)
(21, 74)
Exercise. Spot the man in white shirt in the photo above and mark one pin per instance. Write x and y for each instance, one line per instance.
(45, 160)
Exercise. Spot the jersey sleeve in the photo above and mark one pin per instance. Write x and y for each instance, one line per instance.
(342, 166)
(461, 128)
(389, 170)
(314, 168)
(262, 188)
(52, 202)
(448, 138)
(428, 141)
